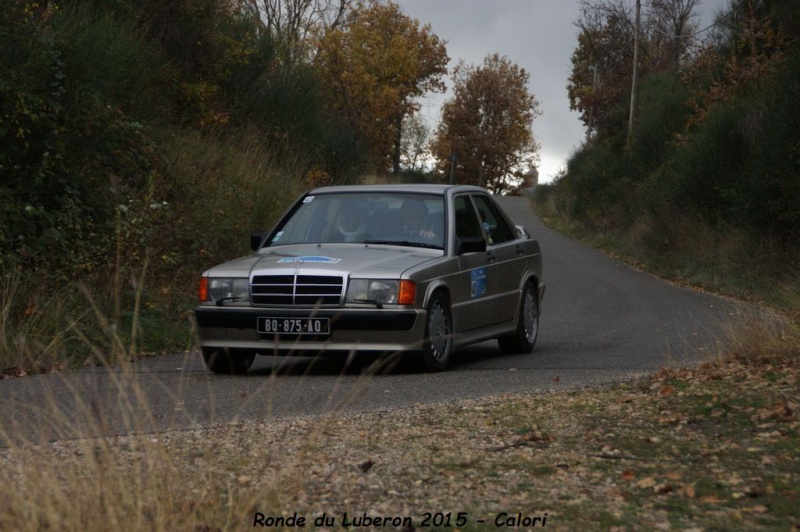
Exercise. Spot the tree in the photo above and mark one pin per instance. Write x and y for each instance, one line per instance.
(672, 32)
(293, 23)
(374, 68)
(602, 64)
(204, 41)
(487, 125)
(415, 138)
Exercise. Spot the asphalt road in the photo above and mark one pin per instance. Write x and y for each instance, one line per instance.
(602, 322)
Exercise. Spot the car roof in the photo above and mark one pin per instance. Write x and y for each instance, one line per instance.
(419, 188)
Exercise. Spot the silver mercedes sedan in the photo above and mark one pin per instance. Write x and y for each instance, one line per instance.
(419, 270)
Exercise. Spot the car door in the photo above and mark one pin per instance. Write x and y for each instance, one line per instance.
(505, 256)
(472, 295)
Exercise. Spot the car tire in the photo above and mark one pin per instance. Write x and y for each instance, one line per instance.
(524, 338)
(438, 343)
(228, 361)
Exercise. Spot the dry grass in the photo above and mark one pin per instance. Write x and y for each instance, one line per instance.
(34, 330)
(710, 447)
(758, 342)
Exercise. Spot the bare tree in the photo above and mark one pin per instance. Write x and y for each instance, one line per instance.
(595, 15)
(672, 27)
(413, 145)
(293, 22)
(668, 29)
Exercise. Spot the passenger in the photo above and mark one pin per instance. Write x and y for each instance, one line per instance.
(351, 223)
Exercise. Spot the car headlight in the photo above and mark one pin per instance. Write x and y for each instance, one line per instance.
(381, 291)
(222, 289)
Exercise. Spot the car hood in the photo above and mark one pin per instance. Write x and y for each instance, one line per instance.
(357, 260)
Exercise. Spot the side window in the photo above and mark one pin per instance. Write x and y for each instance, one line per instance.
(467, 223)
(495, 225)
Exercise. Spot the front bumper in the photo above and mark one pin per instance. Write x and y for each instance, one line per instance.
(351, 329)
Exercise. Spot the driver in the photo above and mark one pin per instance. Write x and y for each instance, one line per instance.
(416, 221)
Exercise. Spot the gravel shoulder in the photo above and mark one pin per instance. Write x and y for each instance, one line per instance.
(715, 447)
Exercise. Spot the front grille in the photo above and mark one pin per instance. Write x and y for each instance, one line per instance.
(296, 290)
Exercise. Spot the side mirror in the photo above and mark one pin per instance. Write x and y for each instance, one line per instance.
(470, 245)
(523, 233)
(255, 241)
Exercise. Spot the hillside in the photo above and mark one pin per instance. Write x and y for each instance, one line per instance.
(704, 187)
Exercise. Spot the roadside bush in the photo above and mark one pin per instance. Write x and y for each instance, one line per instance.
(662, 111)
(67, 155)
(108, 62)
(707, 170)
(741, 164)
(285, 102)
(102, 203)
(223, 186)
(600, 183)
(772, 124)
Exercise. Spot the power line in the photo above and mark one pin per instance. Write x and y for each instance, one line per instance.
(716, 23)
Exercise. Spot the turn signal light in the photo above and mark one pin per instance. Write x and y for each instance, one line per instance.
(408, 292)
(202, 289)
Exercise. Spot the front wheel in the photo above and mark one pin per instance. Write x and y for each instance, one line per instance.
(227, 361)
(524, 338)
(438, 343)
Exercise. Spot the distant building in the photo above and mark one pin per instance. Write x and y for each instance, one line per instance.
(531, 178)
(529, 182)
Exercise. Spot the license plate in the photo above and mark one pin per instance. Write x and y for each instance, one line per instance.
(294, 326)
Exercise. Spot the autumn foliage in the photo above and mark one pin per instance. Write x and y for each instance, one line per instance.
(487, 125)
(373, 70)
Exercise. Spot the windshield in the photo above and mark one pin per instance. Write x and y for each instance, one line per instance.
(365, 217)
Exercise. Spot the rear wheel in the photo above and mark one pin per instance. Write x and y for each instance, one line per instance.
(227, 361)
(438, 344)
(524, 338)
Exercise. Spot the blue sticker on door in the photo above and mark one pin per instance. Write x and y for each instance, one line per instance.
(478, 285)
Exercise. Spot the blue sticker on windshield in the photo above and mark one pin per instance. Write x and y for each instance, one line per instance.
(313, 258)
(478, 285)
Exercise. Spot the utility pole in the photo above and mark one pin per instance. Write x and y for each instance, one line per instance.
(635, 70)
(595, 78)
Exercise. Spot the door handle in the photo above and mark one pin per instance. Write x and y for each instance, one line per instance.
(490, 256)
(520, 251)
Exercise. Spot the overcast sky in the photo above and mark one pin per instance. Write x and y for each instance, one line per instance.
(539, 36)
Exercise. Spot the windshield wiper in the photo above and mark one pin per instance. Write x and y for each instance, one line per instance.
(408, 243)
